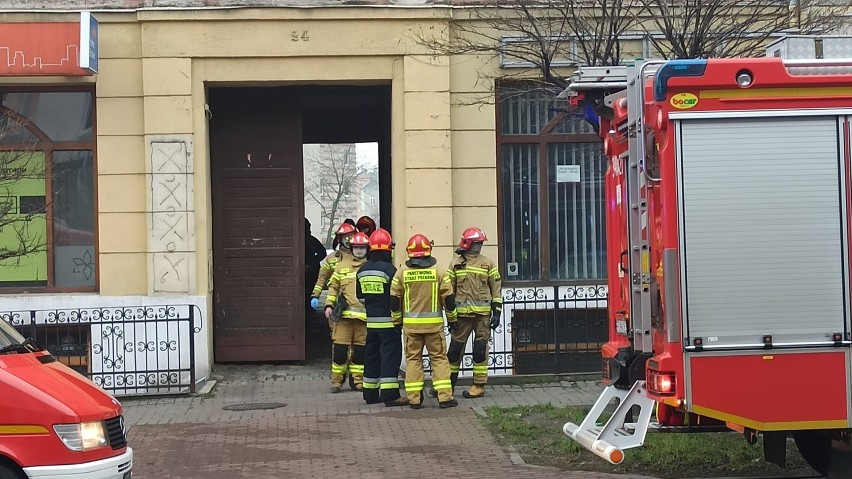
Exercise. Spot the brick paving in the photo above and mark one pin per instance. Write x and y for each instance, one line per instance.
(318, 434)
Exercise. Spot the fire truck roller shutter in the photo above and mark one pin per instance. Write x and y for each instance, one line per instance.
(762, 216)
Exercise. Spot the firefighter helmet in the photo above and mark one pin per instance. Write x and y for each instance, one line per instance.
(470, 236)
(381, 240)
(419, 246)
(360, 239)
(345, 229)
(365, 224)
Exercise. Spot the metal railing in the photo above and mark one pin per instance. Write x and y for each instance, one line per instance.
(556, 329)
(127, 350)
(545, 330)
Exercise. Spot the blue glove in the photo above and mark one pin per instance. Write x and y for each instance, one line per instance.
(314, 303)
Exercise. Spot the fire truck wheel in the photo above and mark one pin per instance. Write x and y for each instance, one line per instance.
(815, 447)
(11, 471)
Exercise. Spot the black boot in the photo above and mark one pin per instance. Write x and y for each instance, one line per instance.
(454, 377)
(398, 402)
(446, 404)
(418, 405)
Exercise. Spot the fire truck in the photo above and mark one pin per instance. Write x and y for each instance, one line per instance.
(729, 238)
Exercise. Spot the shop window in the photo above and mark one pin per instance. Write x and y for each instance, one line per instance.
(47, 191)
(551, 169)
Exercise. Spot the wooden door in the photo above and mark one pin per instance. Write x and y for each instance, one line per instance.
(258, 211)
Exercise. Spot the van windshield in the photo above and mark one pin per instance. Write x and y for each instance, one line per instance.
(8, 335)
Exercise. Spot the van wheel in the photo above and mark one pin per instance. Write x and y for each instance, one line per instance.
(11, 472)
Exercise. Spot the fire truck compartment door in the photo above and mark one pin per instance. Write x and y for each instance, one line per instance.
(762, 215)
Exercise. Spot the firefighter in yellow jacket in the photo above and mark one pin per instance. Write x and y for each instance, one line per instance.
(421, 291)
(349, 316)
(343, 235)
(479, 304)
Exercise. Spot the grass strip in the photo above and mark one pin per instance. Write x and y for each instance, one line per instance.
(536, 434)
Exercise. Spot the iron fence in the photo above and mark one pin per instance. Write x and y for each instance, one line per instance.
(545, 330)
(556, 329)
(127, 350)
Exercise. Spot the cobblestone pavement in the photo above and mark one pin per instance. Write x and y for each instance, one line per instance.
(318, 434)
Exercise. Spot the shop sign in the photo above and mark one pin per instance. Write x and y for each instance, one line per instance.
(57, 49)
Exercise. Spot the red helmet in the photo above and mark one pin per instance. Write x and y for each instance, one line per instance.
(470, 236)
(345, 229)
(366, 225)
(419, 246)
(360, 239)
(381, 240)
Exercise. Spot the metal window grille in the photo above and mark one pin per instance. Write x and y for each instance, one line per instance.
(521, 212)
(570, 211)
(576, 211)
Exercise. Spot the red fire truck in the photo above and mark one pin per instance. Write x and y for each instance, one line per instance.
(729, 238)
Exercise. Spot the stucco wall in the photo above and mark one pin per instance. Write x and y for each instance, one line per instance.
(138, 4)
(435, 191)
(153, 161)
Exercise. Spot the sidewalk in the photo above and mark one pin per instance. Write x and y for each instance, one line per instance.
(318, 434)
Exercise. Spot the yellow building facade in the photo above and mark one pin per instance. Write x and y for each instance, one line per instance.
(156, 189)
(171, 204)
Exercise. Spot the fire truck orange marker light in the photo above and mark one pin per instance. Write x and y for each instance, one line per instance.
(769, 357)
(616, 456)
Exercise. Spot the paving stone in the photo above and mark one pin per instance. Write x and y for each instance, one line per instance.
(319, 434)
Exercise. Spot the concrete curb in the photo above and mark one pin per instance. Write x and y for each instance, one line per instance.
(207, 388)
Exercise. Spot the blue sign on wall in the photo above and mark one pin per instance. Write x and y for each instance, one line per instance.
(88, 42)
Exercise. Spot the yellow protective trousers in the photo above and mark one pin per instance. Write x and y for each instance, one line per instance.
(414, 378)
(480, 326)
(348, 332)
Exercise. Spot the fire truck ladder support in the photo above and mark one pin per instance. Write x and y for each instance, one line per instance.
(611, 439)
(638, 180)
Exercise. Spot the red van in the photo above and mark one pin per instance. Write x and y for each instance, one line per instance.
(55, 423)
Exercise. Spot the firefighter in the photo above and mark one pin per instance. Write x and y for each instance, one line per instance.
(335, 243)
(384, 329)
(420, 291)
(479, 304)
(343, 307)
(342, 237)
(366, 225)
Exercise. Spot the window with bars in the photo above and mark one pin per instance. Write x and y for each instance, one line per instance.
(551, 173)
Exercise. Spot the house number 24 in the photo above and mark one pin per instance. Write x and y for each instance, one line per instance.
(296, 36)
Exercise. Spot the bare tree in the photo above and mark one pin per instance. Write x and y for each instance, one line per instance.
(539, 34)
(546, 34)
(726, 28)
(333, 174)
(22, 181)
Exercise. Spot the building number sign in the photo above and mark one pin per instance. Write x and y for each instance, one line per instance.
(299, 37)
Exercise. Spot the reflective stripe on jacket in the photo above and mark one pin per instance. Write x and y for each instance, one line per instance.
(422, 293)
(343, 282)
(373, 289)
(477, 283)
(327, 269)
